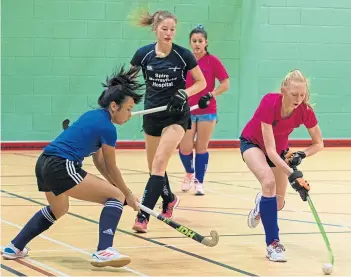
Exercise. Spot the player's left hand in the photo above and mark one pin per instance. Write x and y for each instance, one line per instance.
(205, 100)
(294, 158)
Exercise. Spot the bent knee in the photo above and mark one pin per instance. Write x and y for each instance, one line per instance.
(268, 187)
(59, 211)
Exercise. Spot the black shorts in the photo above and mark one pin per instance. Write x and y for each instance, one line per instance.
(246, 144)
(57, 174)
(153, 125)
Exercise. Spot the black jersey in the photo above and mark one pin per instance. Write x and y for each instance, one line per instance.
(163, 76)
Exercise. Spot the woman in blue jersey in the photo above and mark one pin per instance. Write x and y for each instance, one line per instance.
(60, 175)
(165, 66)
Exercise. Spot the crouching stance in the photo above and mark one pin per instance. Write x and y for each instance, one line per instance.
(264, 145)
(60, 174)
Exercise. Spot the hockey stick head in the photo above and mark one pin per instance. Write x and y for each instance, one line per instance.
(213, 241)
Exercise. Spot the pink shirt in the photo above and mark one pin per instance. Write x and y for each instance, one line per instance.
(269, 111)
(213, 69)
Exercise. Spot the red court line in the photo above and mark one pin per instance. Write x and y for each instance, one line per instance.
(37, 269)
(38, 145)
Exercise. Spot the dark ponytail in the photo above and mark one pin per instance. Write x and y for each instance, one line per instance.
(199, 29)
(119, 86)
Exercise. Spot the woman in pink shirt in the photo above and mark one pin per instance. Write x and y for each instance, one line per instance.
(203, 119)
(264, 147)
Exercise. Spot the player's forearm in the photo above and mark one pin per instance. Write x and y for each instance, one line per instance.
(117, 179)
(314, 148)
(196, 87)
(223, 87)
(100, 166)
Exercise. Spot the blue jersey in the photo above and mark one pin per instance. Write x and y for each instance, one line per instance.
(163, 76)
(84, 137)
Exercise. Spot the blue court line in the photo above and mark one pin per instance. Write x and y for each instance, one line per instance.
(144, 238)
(13, 271)
(286, 219)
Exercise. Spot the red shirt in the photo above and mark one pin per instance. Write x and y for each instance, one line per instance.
(213, 69)
(269, 111)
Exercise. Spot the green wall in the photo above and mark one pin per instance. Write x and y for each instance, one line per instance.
(55, 54)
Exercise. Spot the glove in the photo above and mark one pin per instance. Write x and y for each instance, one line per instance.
(205, 100)
(179, 102)
(295, 158)
(65, 124)
(299, 184)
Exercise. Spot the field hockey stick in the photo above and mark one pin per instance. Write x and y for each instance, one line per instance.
(210, 242)
(320, 226)
(158, 109)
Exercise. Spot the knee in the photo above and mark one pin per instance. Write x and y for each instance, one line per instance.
(201, 148)
(186, 147)
(59, 211)
(268, 187)
(121, 198)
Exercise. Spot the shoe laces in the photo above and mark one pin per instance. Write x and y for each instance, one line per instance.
(188, 178)
(278, 246)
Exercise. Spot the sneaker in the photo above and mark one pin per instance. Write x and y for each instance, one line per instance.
(199, 187)
(167, 208)
(109, 257)
(187, 182)
(11, 252)
(275, 252)
(254, 217)
(140, 225)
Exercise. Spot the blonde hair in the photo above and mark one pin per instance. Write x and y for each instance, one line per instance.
(298, 77)
(144, 18)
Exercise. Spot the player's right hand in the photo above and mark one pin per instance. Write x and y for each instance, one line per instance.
(133, 201)
(299, 184)
(179, 102)
(204, 101)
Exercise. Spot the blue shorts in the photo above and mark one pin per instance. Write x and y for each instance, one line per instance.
(246, 144)
(203, 117)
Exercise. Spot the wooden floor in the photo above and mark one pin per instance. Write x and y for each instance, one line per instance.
(65, 249)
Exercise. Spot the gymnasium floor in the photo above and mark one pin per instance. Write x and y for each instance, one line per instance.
(65, 249)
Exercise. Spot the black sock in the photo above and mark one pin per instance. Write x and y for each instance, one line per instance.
(167, 195)
(152, 192)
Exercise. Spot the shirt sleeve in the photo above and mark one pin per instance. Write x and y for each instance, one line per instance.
(109, 136)
(310, 119)
(219, 69)
(137, 58)
(189, 59)
(265, 111)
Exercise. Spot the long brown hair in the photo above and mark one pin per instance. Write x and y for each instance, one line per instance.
(144, 18)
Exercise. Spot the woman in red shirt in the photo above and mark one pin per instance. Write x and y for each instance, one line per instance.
(264, 145)
(203, 119)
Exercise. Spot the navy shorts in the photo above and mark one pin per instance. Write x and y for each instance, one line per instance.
(154, 125)
(246, 144)
(57, 174)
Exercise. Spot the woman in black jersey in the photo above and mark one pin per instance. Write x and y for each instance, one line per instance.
(164, 65)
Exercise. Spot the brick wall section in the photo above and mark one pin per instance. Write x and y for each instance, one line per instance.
(315, 37)
(55, 54)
